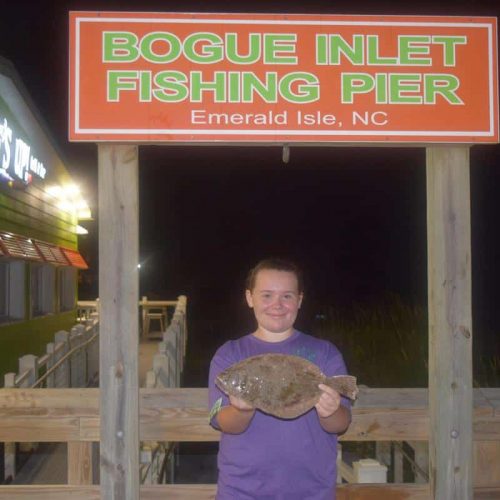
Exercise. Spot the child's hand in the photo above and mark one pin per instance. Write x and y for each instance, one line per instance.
(329, 401)
(240, 404)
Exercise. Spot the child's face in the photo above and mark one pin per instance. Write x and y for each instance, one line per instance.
(275, 300)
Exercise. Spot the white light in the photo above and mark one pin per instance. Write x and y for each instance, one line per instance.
(138, 266)
(71, 190)
(81, 204)
(54, 191)
(69, 199)
(81, 230)
(84, 214)
(65, 206)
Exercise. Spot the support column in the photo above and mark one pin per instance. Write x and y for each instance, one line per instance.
(450, 322)
(119, 336)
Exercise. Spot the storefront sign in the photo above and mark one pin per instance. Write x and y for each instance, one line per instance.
(282, 78)
(17, 162)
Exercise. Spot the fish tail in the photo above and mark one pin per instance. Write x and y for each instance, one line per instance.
(344, 385)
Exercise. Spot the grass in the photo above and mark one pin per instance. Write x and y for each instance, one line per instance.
(386, 344)
(487, 371)
(383, 344)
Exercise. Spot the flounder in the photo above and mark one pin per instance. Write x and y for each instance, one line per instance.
(282, 385)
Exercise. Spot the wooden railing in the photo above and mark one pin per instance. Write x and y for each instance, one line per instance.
(166, 371)
(72, 360)
(72, 415)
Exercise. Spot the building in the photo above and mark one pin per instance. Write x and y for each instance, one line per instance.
(39, 211)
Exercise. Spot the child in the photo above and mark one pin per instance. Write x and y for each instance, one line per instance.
(260, 456)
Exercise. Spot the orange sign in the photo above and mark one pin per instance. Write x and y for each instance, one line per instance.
(146, 77)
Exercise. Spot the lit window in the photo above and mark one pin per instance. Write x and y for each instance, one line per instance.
(43, 279)
(12, 295)
(67, 288)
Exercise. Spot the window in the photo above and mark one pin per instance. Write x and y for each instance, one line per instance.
(4, 292)
(43, 279)
(67, 288)
(12, 296)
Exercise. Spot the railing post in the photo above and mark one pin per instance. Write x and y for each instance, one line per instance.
(93, 354)
(339, 461)
(170, 350)
(76, 338)
(28, 362)
(398, 461)
(144, 328)
(50, 363)
(9, 460)
(182, 302)
(161, 369)
(62, 374)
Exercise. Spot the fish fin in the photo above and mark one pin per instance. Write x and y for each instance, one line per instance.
(344, 385)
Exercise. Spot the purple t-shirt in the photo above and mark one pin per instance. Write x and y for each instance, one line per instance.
(277, 459)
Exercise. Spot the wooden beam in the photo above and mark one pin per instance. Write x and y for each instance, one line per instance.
(450, 322)
(54, 415)
(119, 317)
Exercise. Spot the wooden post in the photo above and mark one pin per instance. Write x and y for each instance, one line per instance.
(28, 362)
(62, 374)
(119, 336)
(79, 462)
(398, 461)
(9, 459)
(450, 322)
(50, 363)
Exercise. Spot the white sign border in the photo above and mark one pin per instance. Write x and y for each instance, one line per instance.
(269, 132)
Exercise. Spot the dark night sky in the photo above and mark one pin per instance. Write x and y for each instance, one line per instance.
(353, 217)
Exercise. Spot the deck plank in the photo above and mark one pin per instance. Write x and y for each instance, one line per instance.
(207, 492)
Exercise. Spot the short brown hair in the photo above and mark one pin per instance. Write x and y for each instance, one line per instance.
(275, 264)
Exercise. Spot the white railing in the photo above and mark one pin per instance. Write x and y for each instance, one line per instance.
(168, 365)
(72, 360)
